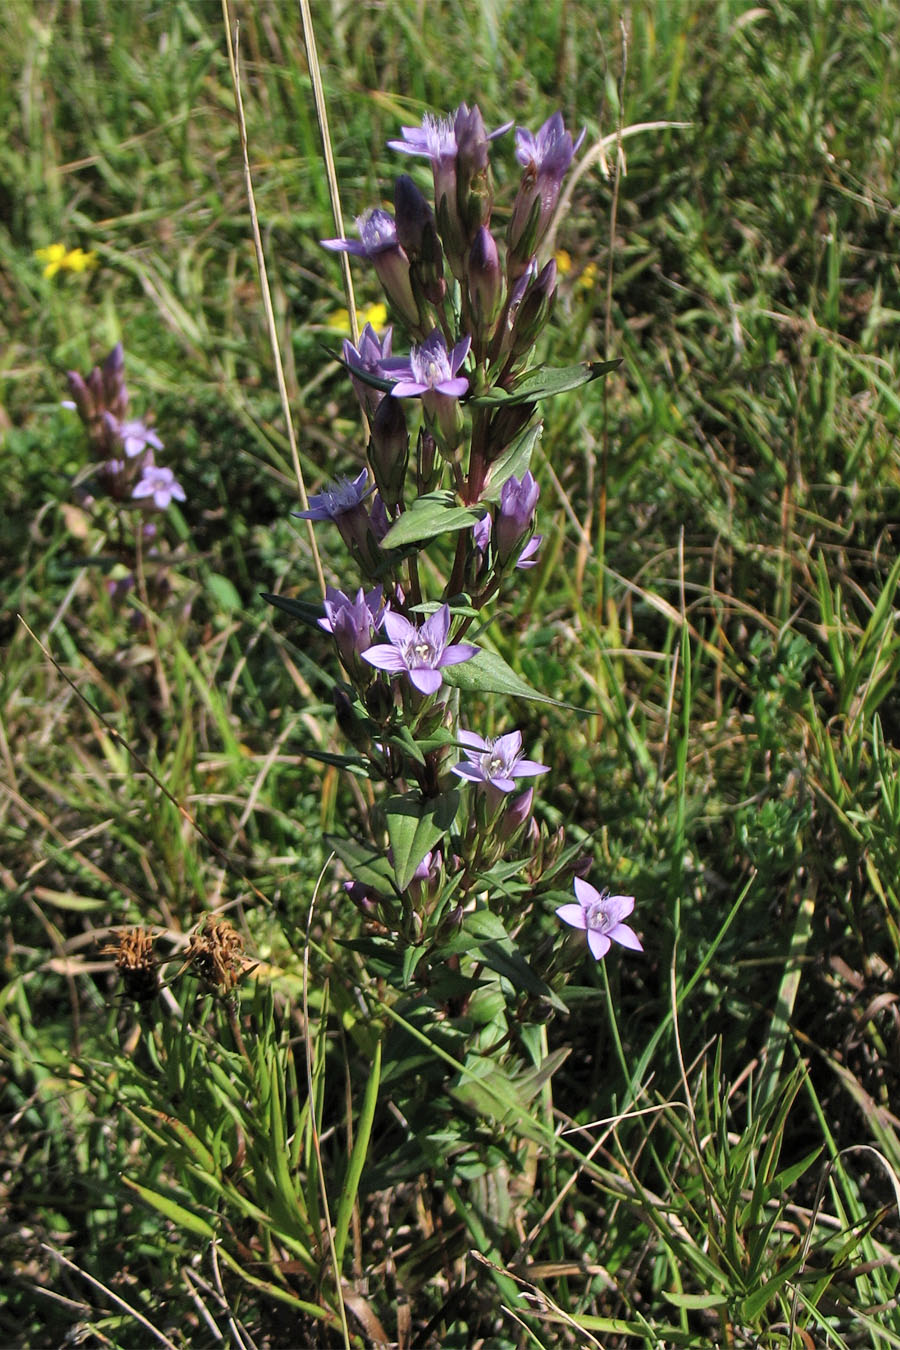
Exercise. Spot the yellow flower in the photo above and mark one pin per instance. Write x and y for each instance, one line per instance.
(563, 262)
(588, 278)
(375, 314)
(57, 258)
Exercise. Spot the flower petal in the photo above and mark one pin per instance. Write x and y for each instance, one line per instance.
(573, 914)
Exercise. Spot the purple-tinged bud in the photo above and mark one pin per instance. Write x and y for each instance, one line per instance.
(534, 309)
(515, 816)
(351, 724)
(413, 215)
(389, 450)
(474, 194)
(417, 233)
(379, 702)
(506, 423)
(82, 400)
(428, 469)
(362, 898)
(352, 624)
(518, 500)
(379, 518)
(115, 395)
(485, 278)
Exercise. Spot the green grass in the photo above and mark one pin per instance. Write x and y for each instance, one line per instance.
(708, 1156)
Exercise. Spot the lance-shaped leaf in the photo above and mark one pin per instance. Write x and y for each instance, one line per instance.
(434, 513)
(488, 673)
(364, 863)
(298, 609)
(513, 463)
(415, 824)
(542, 383)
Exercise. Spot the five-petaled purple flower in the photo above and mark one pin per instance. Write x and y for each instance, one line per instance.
(431, 369)
(498, 762)
(160, 484)
(341, 496)
(600, 915)
(135, 436)
(420, 653)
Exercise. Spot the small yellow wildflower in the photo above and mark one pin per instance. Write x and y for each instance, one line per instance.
(375, 314)
(588, 278)
(57, 258)
(563, 262)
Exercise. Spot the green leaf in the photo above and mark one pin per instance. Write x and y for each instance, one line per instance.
(224, 592)
(181, 1217)
(695, 1300)
(514, 462)
(415, 824)
(507, 961)
(364, 863)
(488, 673)
(434, 513)
(298, 609)
(546, 382)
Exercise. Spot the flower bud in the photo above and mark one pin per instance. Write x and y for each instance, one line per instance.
(518, 500)
(474, 194)
(485, 279)
(389, 450)
(534, 310)
(515, 816)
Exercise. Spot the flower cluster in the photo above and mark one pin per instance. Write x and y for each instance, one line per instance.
(452, 428)
(123, 447)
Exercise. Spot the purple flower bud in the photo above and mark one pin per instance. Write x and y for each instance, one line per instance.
(515, 816)
(528, 557)
(389, 450)
(485, 278)
(518, 500)
(413, 215)
(353, 623)
(481, 532)
(533, 310)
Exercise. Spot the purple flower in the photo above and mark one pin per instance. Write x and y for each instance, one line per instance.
(550, 152)
(436, 137)
(378, 243)
(377, 232)
(600, 915)
(545, 158)
(528, 557)
(481, 531)
(160, 484)
(367, 358)
(518, 498)
(498, 762)
(431, 369)
(340, 497)
(352, 623)
(135, 436)
(420, 653)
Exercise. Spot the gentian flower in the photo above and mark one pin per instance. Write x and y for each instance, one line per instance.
(352, 623)
(545, 158)
(431, 369)
(368, 357)
(378, 243)
(160, 484)
(420, 653)
(600, 915)
(341, 496)
(481, 531)
(517, 502)
(498, 762)
(134, 436)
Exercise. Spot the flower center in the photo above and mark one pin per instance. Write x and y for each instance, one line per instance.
(596, 917)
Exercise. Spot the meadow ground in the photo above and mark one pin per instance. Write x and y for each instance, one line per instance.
(701, 1147)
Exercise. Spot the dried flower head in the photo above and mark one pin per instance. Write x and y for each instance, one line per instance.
(216, 954)
(135, 963)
